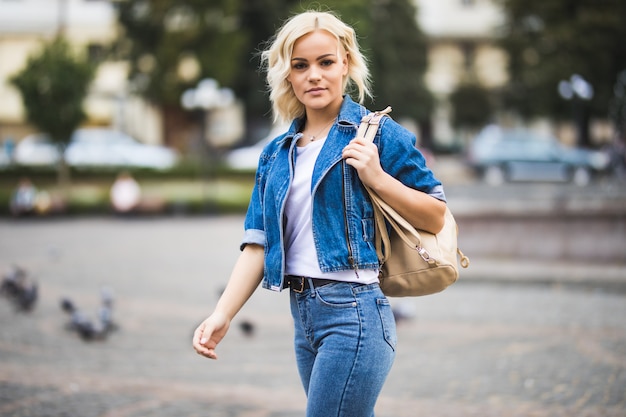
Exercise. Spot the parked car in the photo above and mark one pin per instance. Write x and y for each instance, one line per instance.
(95, 147)
(499, 155)
(36, 150)
(106, 147)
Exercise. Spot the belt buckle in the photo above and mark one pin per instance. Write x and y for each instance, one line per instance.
(301, 287)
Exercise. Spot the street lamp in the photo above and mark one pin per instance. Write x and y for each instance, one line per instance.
(207, 96)
(576, 86)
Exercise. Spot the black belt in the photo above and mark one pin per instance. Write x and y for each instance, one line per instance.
(299, 284)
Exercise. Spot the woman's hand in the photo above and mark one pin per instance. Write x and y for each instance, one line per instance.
(362, 155)
(245, 278)
(209, 333)
(421, 210)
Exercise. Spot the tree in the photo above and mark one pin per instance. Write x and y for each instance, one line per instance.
(259, 19)
(173, 44)
(53, 85)
(396, 50)
(548, 41)
(398, 60)
(471, 105)
(222, 40)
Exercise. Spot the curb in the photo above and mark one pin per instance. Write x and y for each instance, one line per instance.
(610, 276)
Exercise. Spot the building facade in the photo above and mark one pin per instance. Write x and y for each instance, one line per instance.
(89, 26)
(462, 37)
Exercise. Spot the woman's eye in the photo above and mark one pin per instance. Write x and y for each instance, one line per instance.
(299, 66)
(327, 62)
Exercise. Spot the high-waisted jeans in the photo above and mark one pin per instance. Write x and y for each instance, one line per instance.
(345, 340)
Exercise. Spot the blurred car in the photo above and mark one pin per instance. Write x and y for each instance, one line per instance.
(247, 157)
(36, 150)
(95, 147)
(499, 155)
(92, 147)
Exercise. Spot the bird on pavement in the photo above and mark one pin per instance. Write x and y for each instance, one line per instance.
(86, 328)
(20, 289)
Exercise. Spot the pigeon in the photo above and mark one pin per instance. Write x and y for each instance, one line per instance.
(84, 326)
(106, 310)
(247, 328)
(20, 289)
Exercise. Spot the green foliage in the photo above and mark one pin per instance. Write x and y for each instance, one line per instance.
(53, 85)
(259, 20)
(398, 59)
(550, 40)
(471, 105)
(161, 36)
(225, 38)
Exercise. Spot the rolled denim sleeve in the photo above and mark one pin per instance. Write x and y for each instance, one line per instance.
(438, 193)
(254, 230)
(252, 237)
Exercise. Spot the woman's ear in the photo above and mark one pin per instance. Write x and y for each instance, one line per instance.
(346, 64)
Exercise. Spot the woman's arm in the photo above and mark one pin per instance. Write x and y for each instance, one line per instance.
(420, 209)
(423, 211)
(244, 280)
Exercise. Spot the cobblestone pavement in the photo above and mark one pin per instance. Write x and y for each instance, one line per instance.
(481, 348)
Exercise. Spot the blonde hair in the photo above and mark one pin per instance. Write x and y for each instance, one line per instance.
(277, 61)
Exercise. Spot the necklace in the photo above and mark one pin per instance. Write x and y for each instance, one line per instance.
(313, 137)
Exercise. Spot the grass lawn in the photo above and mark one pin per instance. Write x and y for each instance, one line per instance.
(160, 195)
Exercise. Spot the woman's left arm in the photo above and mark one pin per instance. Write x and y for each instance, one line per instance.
(420, 209)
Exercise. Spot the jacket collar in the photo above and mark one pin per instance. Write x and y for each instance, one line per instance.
(349, 117)
(351, 113)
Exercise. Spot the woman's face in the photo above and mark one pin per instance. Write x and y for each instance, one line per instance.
(318, 67)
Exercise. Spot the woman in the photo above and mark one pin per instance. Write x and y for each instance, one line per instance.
(310, 227)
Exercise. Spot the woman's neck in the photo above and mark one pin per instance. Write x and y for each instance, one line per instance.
(317, 119)
(319, 123)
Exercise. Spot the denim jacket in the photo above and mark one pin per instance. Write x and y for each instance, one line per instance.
(335, 222)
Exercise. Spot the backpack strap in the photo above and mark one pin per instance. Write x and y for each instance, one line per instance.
(369, 124)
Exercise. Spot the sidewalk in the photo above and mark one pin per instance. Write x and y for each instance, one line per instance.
(476, 349)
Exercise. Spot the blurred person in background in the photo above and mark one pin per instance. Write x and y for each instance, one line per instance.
(302, 235)
(125, 194)
(24, 198)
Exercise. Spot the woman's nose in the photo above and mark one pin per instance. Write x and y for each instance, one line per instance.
(314, 73)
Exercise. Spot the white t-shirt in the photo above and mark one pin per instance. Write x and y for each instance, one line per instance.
(301, 255)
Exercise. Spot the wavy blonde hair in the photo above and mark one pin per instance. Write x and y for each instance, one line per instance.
(276, 60)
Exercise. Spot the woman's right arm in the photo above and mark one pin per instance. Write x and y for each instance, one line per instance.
(244, 280)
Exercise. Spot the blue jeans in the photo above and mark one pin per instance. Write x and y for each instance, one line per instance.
(345, 339)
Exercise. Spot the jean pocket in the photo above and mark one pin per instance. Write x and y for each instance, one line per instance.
(337, 295)
(387, 321)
